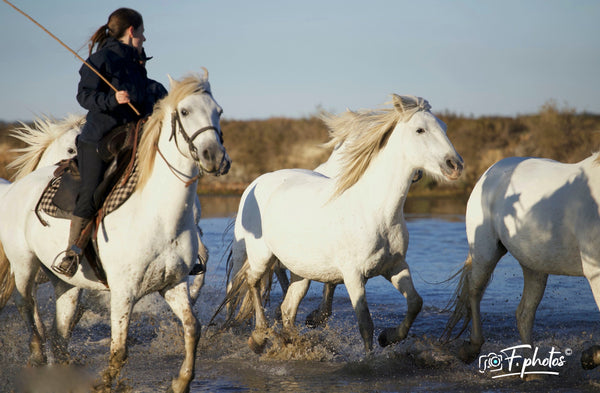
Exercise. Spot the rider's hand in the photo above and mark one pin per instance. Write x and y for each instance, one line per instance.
(122, 97)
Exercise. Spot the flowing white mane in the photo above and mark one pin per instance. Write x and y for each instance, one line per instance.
(364, 133)
(37, 138)
(149, 142)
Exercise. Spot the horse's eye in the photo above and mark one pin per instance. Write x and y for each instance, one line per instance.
(184, 112)
(420, 131)
(71, 151)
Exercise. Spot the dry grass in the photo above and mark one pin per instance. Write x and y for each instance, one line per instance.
(260, 146)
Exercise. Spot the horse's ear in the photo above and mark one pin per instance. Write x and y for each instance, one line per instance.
(397, 100)
(171, 81)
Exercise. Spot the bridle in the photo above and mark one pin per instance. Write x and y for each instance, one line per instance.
(177, 125)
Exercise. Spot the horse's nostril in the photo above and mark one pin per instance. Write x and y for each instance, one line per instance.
(206, 155)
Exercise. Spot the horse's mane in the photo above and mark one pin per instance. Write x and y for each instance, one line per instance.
(191, 84)
(365, 133)
(37, 138)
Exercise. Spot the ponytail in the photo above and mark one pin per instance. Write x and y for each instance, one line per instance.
(118, 23)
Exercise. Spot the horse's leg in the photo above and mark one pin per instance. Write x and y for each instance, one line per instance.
(355, 285)
(295, 293)
(121, 305)
(198, 281)
(67, 303)
(477, 280)
(322, 313)
(282, 277)
(177, 297)
(401, 279)
(24, 299)
(590, 358)
(534, 285)
(258, 338)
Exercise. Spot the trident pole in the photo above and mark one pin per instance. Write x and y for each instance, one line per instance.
(70, 50)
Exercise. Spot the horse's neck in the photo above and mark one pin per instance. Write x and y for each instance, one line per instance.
(383, 188)
(166, 191)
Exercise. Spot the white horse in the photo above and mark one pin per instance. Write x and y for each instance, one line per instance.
(151, 240)
(46, 143)
(330, 168)
(346, 230)
(51, 140)
(544, 213)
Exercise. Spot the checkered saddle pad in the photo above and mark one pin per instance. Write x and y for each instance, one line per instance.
(119, 193)
(119, 147)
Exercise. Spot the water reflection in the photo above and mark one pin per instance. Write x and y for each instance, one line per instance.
(227, 205)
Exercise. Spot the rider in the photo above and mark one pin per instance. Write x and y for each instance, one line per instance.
(120, 58)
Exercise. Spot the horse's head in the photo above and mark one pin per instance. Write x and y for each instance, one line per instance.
(424, 139)
(195, 125)
(63, 147)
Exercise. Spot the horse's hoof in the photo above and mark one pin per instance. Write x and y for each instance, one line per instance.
(383, 339)
(316, 319)
(469, 352)
(257, 343)
(37, 360)
(391, 336)
(590, 358)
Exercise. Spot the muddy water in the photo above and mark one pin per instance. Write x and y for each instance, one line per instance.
(328, 359)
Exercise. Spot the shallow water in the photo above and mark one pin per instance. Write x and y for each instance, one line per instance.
(331, 358)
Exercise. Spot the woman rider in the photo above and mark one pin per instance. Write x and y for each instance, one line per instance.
(119, 56)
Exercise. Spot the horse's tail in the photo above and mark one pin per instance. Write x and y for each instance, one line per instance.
(7, 279)
(460, 303)
(238, 295)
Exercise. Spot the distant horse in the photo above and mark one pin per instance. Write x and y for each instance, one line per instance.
(343, 230)
(46, 143)
(149, 243)
(546, 214)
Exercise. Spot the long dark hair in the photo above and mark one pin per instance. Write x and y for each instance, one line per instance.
(118, 22)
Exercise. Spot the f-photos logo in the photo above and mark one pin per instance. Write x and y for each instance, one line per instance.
(522, 360)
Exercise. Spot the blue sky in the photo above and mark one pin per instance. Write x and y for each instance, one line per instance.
(289, 58)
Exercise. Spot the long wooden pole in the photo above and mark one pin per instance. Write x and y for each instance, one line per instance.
(70, 50)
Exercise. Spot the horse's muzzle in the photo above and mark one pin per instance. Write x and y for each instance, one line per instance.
(453, 167)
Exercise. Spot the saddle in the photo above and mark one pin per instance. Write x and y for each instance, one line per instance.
(119, 149)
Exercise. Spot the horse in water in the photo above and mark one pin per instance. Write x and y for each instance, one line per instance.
(342, 230)
(50, 141)
(148, 244)
(546, 214)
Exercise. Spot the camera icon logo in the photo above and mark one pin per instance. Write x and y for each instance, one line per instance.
(491, 362)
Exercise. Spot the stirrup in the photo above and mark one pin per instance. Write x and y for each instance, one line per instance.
(68, 265)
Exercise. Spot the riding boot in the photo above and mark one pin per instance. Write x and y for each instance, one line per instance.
(68, 265)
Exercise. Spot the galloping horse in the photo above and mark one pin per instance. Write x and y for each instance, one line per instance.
(50, 141)
(346, 229)
(149, 243)
(546, 214)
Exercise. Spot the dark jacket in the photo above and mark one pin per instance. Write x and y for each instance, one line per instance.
(122, 66)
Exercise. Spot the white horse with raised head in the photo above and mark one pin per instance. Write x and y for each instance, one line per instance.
(546, 214)
(346, 230)
(46, 143)
(150, 242)
(49, 141)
